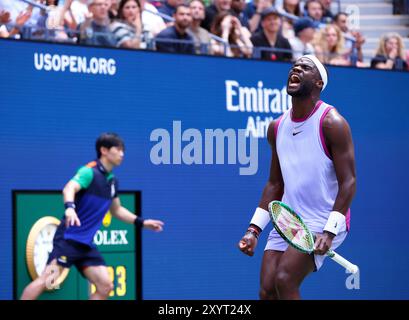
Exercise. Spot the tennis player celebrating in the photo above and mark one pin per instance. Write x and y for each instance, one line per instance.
(313, 171)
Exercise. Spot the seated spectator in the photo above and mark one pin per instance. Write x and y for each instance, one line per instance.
(353, 39)
(304, 34)
(236, 37)
(151, 22)
(253, 12)
(315, 10)
(390, 53)
(213, 10)
(43, 24)
(201, 36)
(329, 46)
(127, 29)
(238, 10)
(165, 40)
(270, 37)
(291, 7)
(95, 29)
(113, 9)
(77, 12)
(18, 24)
(327, 15)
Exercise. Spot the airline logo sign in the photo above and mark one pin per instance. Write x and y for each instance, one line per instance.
(265, 104)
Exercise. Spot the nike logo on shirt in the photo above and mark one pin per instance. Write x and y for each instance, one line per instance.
(295, 133)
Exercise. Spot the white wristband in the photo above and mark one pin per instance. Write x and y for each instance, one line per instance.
(336, 222)
(260, 218)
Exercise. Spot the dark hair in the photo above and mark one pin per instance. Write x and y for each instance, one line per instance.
(48, 4)
(122, 5)
(307, 4)
(108, 140)
(340, 14)
(216, 26)
(184, 5)
(297, 11)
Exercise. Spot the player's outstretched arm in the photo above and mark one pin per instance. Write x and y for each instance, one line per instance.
(273, 190)
(123, 214)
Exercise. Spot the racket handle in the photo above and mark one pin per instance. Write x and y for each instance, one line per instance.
(353, 268)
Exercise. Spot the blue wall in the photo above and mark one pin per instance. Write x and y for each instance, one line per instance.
(50, 119)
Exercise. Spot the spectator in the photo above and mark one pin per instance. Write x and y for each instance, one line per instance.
(176, 38)
(329, 46)
(95, 29)
(238, 9)
(127, 29)
(18, 24)
(304, 34)
(291, 7)
(236, 37)
(15, 8)
(78, 11)
(151, 22)
(327, 15)
(315, 10)
(169, 7)
(270, 37)
(353, 39)
(51, 23)
(201, 36)
(4, 20)
(213, 10)
(390, 53)
(113, 9)
(253, 12)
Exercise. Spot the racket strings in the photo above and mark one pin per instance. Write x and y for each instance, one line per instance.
(292, 228)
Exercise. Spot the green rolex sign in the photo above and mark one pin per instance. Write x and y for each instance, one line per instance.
(37, 215)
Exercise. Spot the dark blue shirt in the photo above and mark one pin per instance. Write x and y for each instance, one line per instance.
(165, 41)
(98, 189)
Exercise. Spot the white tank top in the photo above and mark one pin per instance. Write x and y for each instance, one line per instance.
(310, 182)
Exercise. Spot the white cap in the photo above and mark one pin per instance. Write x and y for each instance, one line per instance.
(320, 67)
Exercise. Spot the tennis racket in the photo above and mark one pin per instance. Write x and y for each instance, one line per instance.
(292, 229)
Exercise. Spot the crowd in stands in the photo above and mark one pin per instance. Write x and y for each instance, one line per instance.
(280, 30)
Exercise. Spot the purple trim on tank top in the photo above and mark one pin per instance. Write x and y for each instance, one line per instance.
(322, 132)
(317, 105)
(348, 219)
(276, 124)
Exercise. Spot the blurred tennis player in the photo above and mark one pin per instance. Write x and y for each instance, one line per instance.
(313, 171)
(87, 198)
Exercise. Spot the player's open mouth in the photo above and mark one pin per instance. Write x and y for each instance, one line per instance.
(294, 80)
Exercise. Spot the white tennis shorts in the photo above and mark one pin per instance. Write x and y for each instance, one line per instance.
(277, 243)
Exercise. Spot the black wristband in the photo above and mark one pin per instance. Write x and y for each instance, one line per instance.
(139, 222)
(69, 204)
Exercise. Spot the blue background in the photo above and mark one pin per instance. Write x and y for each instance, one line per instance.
(50, 120)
